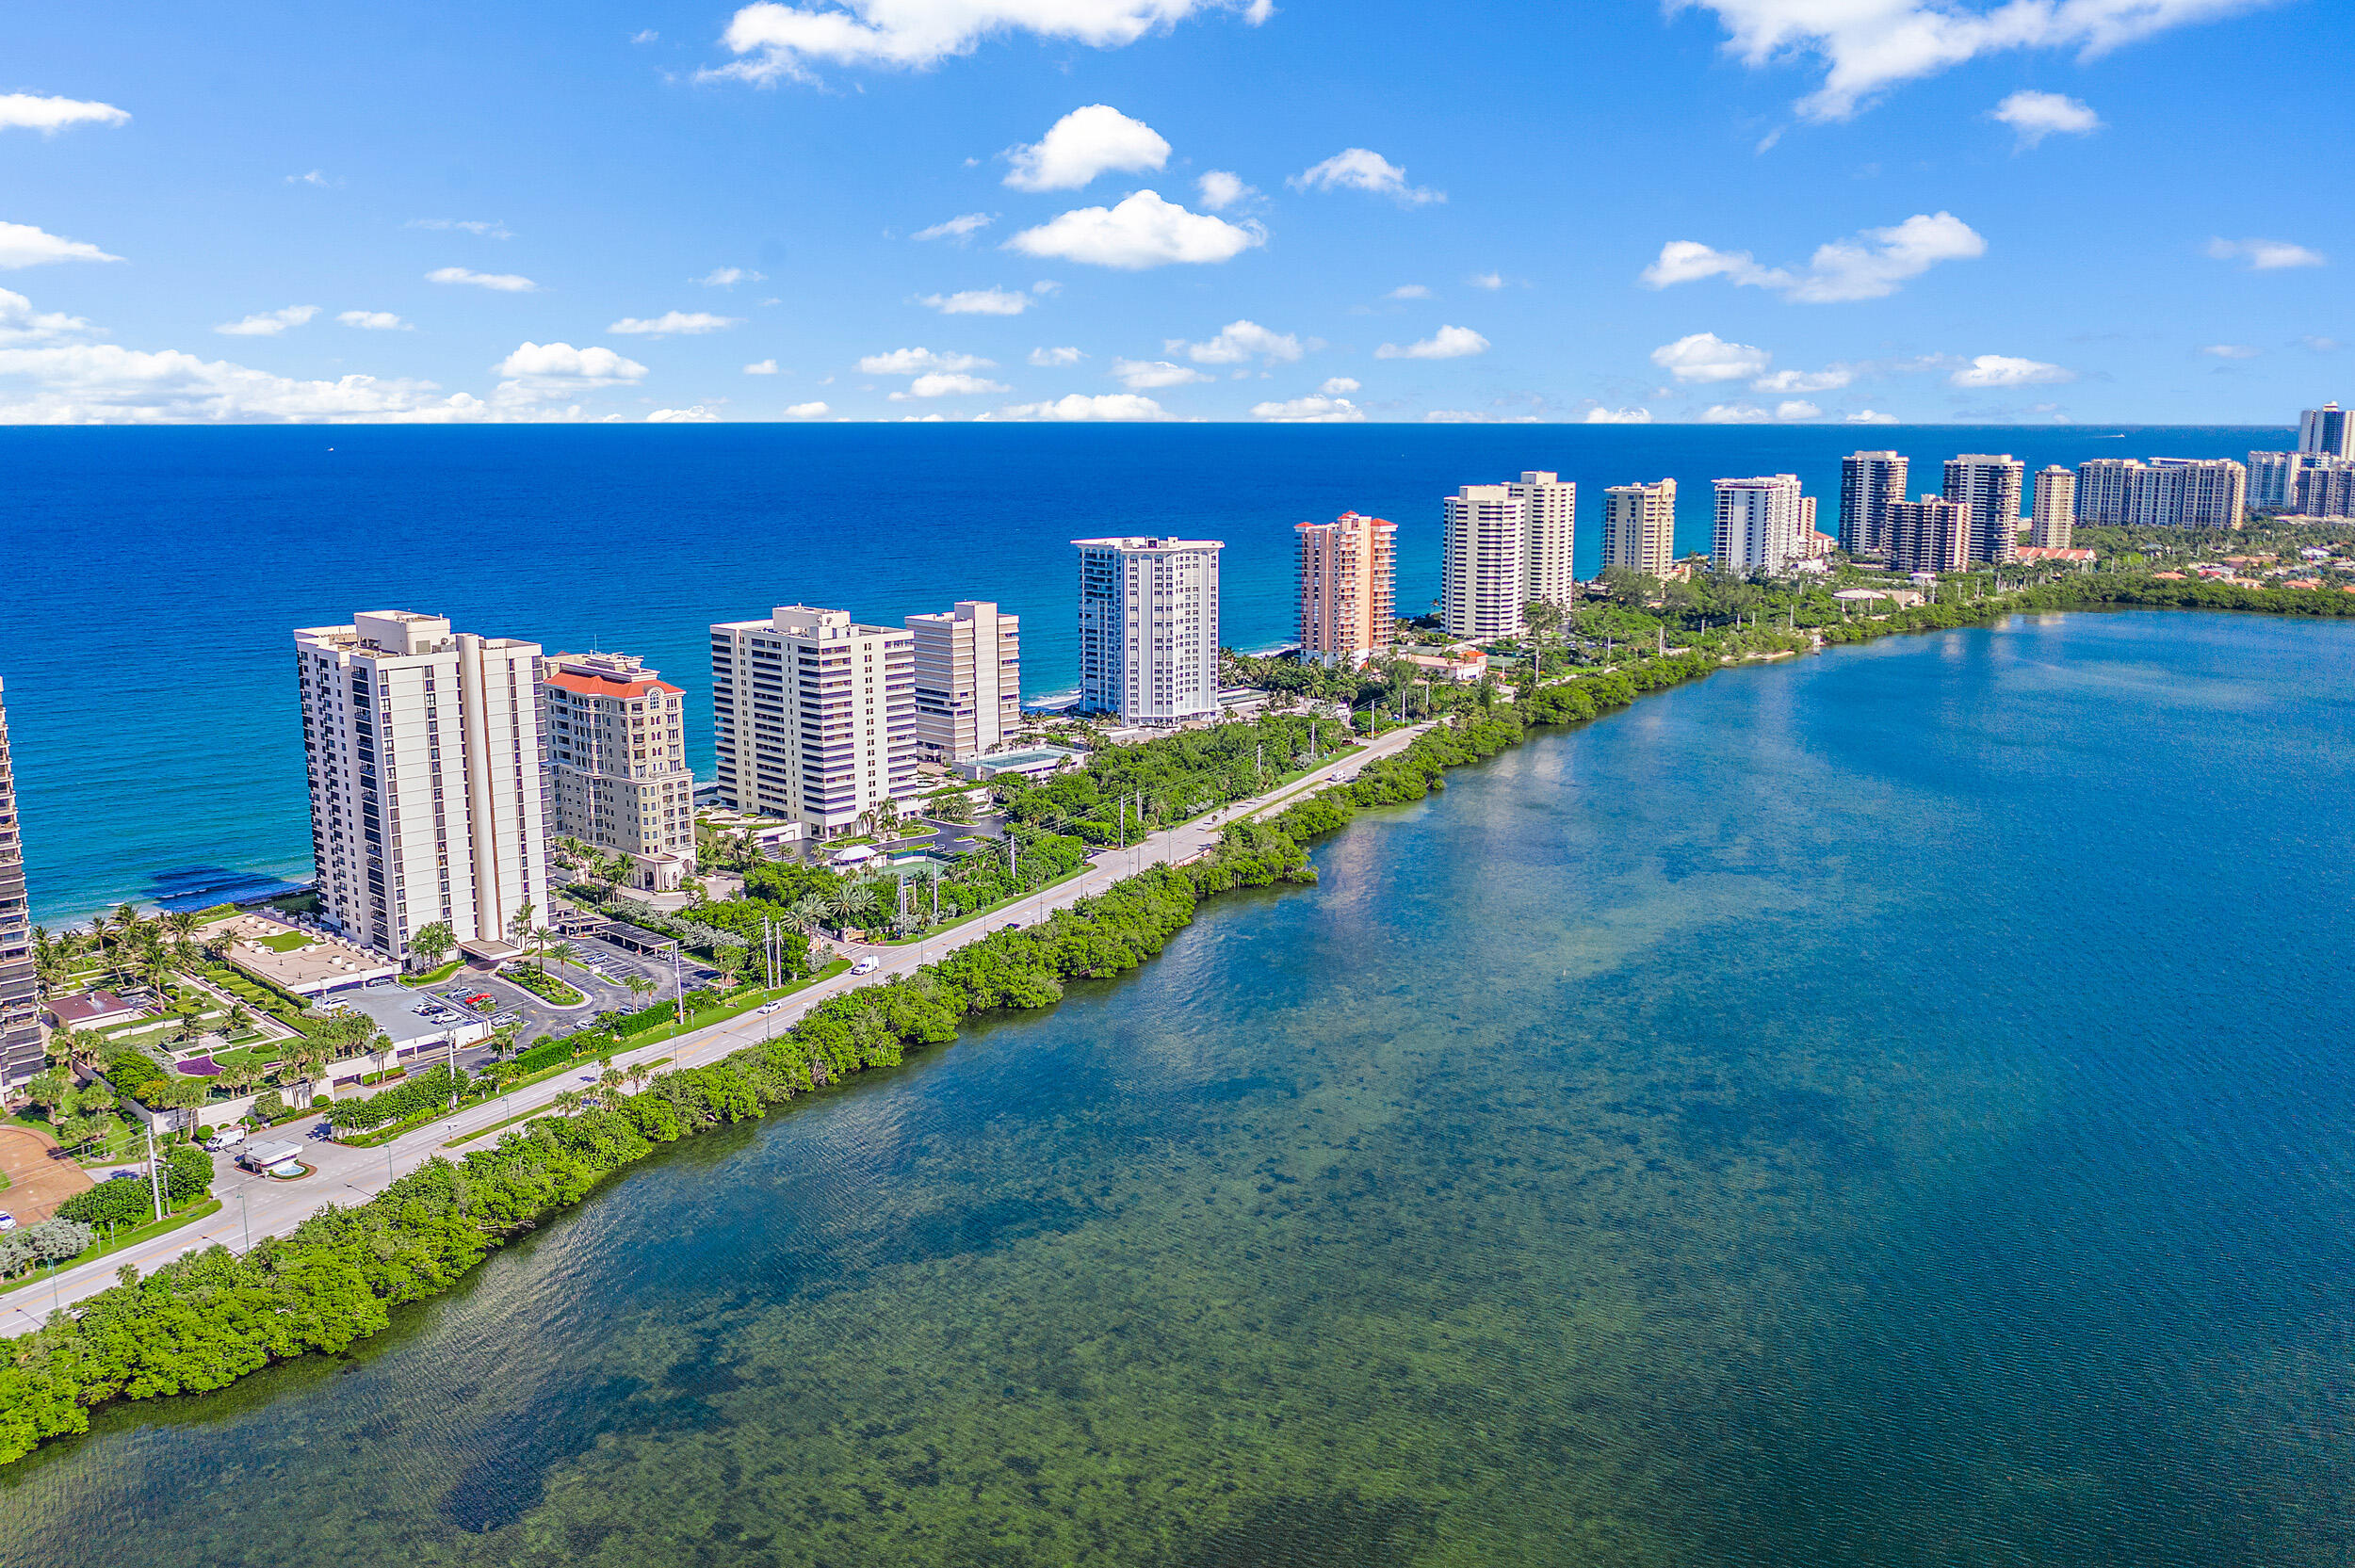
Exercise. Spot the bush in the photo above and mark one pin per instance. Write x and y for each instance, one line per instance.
(421, 1092)
(547, 987)
(269, 1106)
(188, 1174)
(52, 1241)
(112, 1204)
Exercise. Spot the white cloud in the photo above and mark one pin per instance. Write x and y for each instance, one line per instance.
(1238, 343)
(104, 384)
(1143, 231)
(696, 416)
(1448, 342)
(1735, 414)
(1048, 359)
(1084, 143)
(1617, 416)
(774, 41)
(2322, 345)
(1220, 190)
(1310, 410)
(807, 410)
(676, 323)
(1339, 387)
(1866, 417)
(1804, 380)
(267, 323)
(1490, 281)
(645, 35)
(980, 302)
(959, 228)
(949, 385)
(2002, 370)
(1869, 45)
(1358, 169)
(917, 362)
(1705, 357)
(23, 111)
(559, 366)
(1469, 416)
(1148, 374)
(2232, 352)
(1868, 267)
(729, 277)
(21, 323)
(504, 283)
(2264, 255)
(22, 245)
(1798, 408)
(1410, 291)
(315, 177)
(487, 228)
(374, 321)
(2033, 115)
(1121, 407)
(761, 367)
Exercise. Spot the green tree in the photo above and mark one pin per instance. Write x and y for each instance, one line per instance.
(433, 942)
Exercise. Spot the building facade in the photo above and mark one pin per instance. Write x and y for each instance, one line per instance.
(1506, 545)
(968, 680)
(1759, 523)
(1148, 628)
(1987, 486)
(1639, 527)
(2164, 493)
(1932, 534)
(813, 717)
(612, 734)
(2054, 510)
(2326, 487)
(1347, 583)
(1869, 481)
(414, 821)
(2327, 431)
(2273, 480)
(22, 1052)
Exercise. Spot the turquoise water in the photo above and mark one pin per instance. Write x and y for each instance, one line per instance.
(1892, 1107)
(155, 575)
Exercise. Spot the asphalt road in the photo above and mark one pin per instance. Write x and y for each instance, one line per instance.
(257, 1206)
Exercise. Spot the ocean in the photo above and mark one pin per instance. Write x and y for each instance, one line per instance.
(155, 575)
(1888, 1110)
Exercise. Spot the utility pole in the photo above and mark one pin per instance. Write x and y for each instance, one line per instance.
(678, 986)
(155, 1177)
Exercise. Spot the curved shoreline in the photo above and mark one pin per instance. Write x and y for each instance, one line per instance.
(209, 1318)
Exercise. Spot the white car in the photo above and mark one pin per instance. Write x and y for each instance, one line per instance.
(767, 1008)
(7, 1223)
(866, 966)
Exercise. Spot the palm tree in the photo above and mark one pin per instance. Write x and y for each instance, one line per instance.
(181, 922)
(431, 942)
(806, 914)
(567, 1102)
(239, 1020)
(639, 987)
(562, 952)
(637, 1073)
(609, 1086)
(612, 871)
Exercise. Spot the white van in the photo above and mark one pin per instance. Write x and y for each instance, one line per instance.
(228, 1137)
(866, 966)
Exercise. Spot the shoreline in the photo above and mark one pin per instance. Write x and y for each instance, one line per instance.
(336, 1275)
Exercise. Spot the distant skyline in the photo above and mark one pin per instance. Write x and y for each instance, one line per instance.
(1722, 211)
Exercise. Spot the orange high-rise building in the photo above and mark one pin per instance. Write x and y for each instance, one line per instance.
(1348, 579)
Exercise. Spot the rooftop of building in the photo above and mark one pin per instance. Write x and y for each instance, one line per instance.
(1148, 542)
(601, 685)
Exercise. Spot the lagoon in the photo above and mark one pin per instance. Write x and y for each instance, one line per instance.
(1886, 1108)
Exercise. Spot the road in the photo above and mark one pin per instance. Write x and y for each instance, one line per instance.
(254, 1206)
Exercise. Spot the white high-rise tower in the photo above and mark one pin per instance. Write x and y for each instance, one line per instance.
(1148, 628)
(813, 717)
(1506, 544)
(1757, 523)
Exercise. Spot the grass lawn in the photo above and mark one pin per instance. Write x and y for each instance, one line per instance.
(436, 975)
(257, 1055)
(285, 942)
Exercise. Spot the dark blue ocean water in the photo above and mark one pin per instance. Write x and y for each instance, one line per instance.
(1891, 1109)
(153, 577)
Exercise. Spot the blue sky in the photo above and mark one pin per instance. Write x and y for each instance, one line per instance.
(1801, 210)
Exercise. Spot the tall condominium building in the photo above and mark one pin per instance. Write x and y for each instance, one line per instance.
(414, 822)
(22, 1053)
(1987, 486)
(1639, 527)
(2055, 508)
(1506, 544)
(2273, 480)
(2326, 487)
(813, 717)
(2165, 492)
(1757, 523)
(1148, 628)
(1929, 535)
(1348, 571)
(2327, 431)
(1869, 481)
(968, 680)
(616, 754)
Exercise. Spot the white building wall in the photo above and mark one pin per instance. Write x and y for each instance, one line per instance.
(1148, 628)
(1757, 523)
(968, 680)
(1549, 536)
(813, 716)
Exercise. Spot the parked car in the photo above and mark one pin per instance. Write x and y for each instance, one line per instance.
(7, 1223)
(126, 1175)
(228, 1137)
(866, 966)
(481, 999)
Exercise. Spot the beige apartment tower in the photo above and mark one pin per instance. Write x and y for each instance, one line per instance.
(813, 717)
(1929, 535)
(427, 799)
(2056, 509)
(1987, 486)
(616, 764)
(1639, 527)
(1348, 571)
(1506, 544)
(968, 680)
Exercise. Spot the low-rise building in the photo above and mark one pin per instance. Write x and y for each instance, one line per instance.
(1033, 762)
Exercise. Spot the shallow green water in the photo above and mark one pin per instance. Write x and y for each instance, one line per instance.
(1892, 1108)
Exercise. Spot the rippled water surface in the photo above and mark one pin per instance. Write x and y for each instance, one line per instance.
(1894, 1108)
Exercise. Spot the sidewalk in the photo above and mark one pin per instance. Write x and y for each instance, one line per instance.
(254, 1206)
